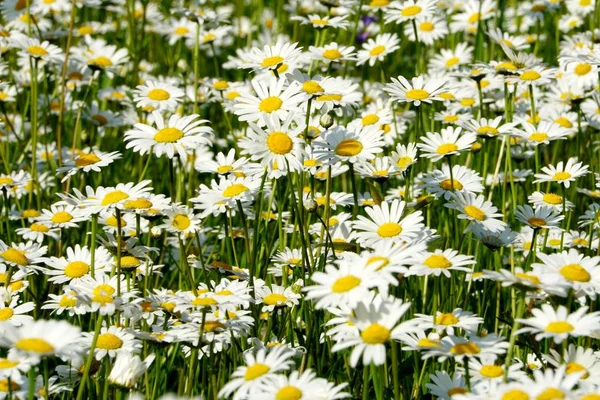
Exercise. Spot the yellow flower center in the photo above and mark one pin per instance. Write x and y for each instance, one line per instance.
(256, 371)
(348, 148)
(37, 51)
(473, 18)
(34, 345)
(536, 222)
(465, 348)
(76, 269)
(446, 319)
(530, 278)
(491, 371)
(6, 313)
(561, 176)
(35, 227)
(102, 62)
(426, 342)
(559, 327)
(382, 262)
(137, 204)
(270, 104)
(370, 119)
(475, 213)
(158, 95)
(6, 363)
(447, 148)
(538, 137)
(583, 69)
(389, 229)
(375, 334)
(272, 61)
(114, 197)
(377, 50)
(86, 159)
(575, 272)
(411, 11)
(404, 162)
(573, 367)
(530, 75)
(329, 97)
(221, 85)
(426, 26)
(181, 31)
(109, 341)
(437, 261)
(15, 256)
(332, 54)
(181, 222)
(457, 390)
(223, 169)
(551, 394)
(279, 143)
(311, 87)
(345, 284)
(488, 130)
(449, 184)
(234, 190)
(30, 213)
(61, 217)
(417, 94)
(67, 301)
(103, 294)
(452, 61)
(319, 22)
(515, 394)
(129, 262)
(275, 299)
(552, 198)
(564, 122)
(168, 135)
(289, 393)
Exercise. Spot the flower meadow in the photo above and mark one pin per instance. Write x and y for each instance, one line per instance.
(300, 200)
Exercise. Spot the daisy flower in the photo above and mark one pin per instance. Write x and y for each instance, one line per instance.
(477, 210)
(468, 347)
(86, 161)
(409, 10)
(128, 369)
(111, 342)
(37, 232)
(272, 57)
(582, 273)
(352, 144)
(156, 95)
(109, 198)
(276, 296)
(487, 127)
(447, 322)
(549, 200)
(180, 220)
(298, 386)
(76, 264)
(558, 324)
(442, 183)
(331, 53)
(62, 216)
(22, 255)
(377, 323)
(259, 369)
(449, 141)
(541, 217)
(444, 386)
(404, 156)
(322, 22)
(386, 223)
(440, 262)
(429, 29)
(276, 143)
(542, 133)
(563, 173)
(40, 338)
(175, 136)
(100, 56)
(272, 99)
(40, 51)
(376, 49)
(345, 284)
(416, 91)
(12, 312)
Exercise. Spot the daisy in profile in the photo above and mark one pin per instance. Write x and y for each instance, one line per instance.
(488, 128)
(477, 210)
(442, 183)
(469, 347)
(416, 91)
(558, 324)
(298, 386)
(272, 57)
(87, 160)
(448, 322)
(409, 10)
(37, 232)
(553, 200)
(156, 95)
(449, 141)
(386, 223)
(40, 338)
(580, 272)
(128, 369)
(221, 164)
(12, 310)
(352, 144)
(542, 133)
(22, 255)
(378, 323)
(376, 49)
(109, 198)
(345, 284)
(440, 262)
(173, 137)
(40, 51)
(332, 53)
(322, 22)
(276, 143)
(541, 217)
(261, 366)
(98, 55)
(563, 173)
(272, 99)
(444, 386)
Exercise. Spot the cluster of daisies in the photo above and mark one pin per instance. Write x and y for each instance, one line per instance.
(302, 200)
